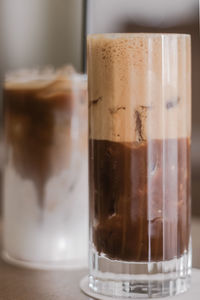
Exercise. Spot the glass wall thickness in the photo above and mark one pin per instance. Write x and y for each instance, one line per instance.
(139, 163)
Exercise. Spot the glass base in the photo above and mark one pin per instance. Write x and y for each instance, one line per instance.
(45, 265)
(139, 279)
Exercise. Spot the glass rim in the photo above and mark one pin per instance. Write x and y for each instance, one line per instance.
(137, 34)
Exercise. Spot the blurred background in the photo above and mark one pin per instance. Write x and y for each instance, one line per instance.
(48, 32)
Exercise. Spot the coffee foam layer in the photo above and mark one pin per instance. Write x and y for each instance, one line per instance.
(61, 79)
(139, 86)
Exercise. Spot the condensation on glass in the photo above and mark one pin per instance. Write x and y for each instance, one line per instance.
(139, 163)
(45, 175)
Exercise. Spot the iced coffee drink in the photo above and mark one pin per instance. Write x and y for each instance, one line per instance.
(45, 178)
(139, 163)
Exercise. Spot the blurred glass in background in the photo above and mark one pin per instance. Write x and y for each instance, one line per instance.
(45, 128)
(45, 174)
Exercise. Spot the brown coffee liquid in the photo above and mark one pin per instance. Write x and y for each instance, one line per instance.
(37, 132)
(140, 198)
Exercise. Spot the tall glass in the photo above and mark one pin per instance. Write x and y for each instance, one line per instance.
(45, 176)
(139, 164)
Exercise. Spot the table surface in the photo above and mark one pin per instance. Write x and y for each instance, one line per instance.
(24, 284)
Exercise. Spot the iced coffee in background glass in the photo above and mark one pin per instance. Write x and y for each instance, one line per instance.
(45, 176)
(139, 164)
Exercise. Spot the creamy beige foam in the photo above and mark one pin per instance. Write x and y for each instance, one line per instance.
(48, 79)
(139, 86)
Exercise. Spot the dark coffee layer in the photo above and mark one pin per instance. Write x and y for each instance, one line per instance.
(140, 198)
